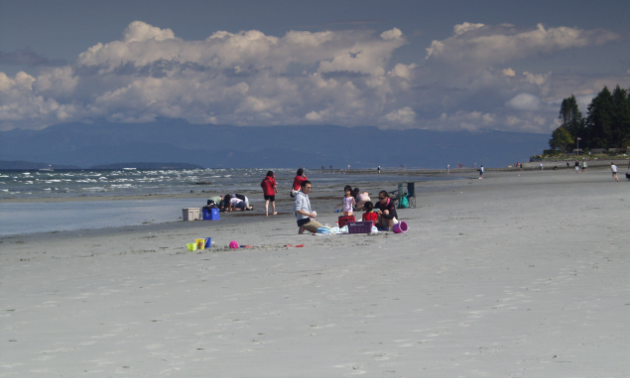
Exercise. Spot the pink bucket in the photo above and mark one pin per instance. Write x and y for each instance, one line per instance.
(233, 244)
(400, 228)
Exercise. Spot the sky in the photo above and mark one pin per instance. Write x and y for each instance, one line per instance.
(450, 65)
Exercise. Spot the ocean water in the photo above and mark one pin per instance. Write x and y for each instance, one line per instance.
(30, 217)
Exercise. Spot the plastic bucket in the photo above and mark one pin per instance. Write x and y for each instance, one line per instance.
(201, 243)
(208, 243)
(192, 246)
(400, 227)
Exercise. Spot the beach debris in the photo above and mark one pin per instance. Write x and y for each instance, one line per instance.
(203, 183)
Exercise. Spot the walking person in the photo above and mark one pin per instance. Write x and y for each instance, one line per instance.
(584, 166)
(577, 166)
(481, 172)
(613, 167)
(270, 188)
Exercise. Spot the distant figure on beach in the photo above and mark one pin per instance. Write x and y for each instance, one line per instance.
(270, 188)
(541, 166)
(577, 166)
(568, 165)
(521, 166)
(448, 169)
(298, 180)
(481, 172)
(386, 210)
(347, 202)
(234, 202)
(379, 168)
(584, 166)
(303, 211)
(628, 164)
(613, 167)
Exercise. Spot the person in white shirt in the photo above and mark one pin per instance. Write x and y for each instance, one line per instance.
(613, 167)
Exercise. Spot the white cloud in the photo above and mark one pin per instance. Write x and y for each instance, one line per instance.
(334, 77)
(477, 44)
(404, 116)
(524, 101)
(508, 72)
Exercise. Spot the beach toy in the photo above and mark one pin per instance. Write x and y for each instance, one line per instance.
(336, 210)
(233, 245)
(201, 243)
(400, 227)
(208, 243)
(192, 246)
(299, 246)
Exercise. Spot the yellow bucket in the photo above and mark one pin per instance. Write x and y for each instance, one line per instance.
(201, 243)
(192, 246)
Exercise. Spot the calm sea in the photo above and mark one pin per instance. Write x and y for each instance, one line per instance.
(29, 217)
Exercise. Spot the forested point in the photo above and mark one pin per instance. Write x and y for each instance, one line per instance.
(607, 124)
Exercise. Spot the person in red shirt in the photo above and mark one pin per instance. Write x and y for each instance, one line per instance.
(369, 214)
(297, 181)
(270, 188)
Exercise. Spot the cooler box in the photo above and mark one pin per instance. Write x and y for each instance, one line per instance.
(364, 227)
(344, 220)
(212, 214)
(190, 214)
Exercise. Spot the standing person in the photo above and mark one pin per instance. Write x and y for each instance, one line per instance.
(347, 202)
(303, 211)
(379, 168)
(577, 166)
(613, 167)
(584, 166)
(481, 172)
(387, 216)
(521, 166)
(541, 166)
(270, 188)
(448, 169)
(298, 180)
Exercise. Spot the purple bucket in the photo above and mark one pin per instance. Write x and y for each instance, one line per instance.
(400, 227)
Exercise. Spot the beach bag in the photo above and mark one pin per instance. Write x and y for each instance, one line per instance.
(404, 202)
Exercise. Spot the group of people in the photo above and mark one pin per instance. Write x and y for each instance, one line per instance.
(230, 202)
(382, 213)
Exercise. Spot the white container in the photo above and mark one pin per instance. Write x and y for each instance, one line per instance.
(190, 214)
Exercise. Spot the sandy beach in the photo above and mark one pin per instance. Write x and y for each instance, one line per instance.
(517, 275)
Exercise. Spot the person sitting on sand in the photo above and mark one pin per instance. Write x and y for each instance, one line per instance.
(369, 215)
(360, 198)
(386, 210)
(303, 211)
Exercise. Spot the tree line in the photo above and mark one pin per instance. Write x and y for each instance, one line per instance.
(607, 124)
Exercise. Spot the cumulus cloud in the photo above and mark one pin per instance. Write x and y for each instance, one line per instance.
(478, 44)
(331, 77)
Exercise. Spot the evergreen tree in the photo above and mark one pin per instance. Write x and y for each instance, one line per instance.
(571, 117)
(561, 139)
(599, 122)
(620, 117)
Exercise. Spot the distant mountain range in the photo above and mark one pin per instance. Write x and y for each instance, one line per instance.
(225, 146)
